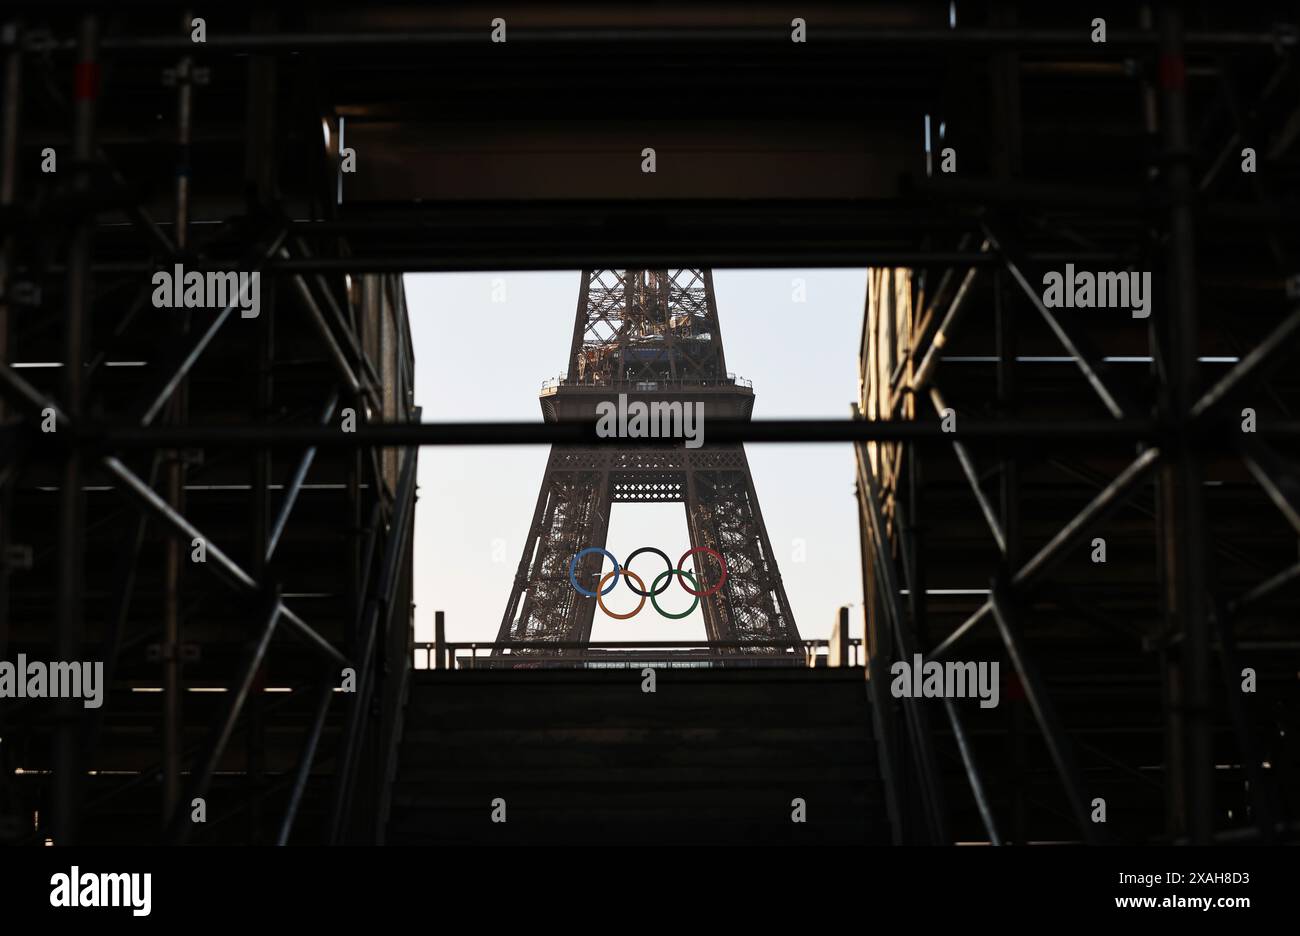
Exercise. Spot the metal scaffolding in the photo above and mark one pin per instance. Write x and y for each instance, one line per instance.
(1095, 653)
(185, 571)
(133, 435)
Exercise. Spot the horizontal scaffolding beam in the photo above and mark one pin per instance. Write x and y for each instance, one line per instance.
(1118, 41)
(1059, 433)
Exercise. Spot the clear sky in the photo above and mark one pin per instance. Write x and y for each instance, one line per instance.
(485, 342)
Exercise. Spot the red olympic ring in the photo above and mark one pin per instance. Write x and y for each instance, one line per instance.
(721, 562)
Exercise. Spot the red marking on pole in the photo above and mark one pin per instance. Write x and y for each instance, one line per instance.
(1173, 72)
(1014, 688)
(85, 80)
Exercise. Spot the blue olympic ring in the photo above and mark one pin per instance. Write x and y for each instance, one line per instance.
(573, 564)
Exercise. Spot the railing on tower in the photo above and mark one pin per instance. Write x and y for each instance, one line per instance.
(655, 383)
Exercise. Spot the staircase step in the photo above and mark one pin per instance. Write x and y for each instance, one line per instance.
(759, 774)
(614, 746)
(585, 756)
(644, 825)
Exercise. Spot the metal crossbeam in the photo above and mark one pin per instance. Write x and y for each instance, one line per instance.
(1069, 337)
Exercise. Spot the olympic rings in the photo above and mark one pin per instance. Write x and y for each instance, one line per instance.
(639, 588)
(641, 604)
(574, 579)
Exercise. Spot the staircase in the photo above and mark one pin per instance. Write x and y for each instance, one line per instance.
(586, 757)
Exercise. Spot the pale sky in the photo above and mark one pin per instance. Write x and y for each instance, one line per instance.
(483, 360)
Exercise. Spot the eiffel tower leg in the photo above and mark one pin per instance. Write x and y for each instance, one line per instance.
(723, 515)
(530, 548)
(714, 627)
(774, 570)
(572, 513)
(598, 536)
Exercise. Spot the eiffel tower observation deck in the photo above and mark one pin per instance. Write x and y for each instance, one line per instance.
(652, 335)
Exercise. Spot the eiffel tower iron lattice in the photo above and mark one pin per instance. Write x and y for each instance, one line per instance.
(654, 336)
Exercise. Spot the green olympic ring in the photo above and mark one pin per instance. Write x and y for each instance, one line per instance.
(654, 591)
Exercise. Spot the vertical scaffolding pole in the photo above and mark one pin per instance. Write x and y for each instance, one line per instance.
(1009, 496)
(13, 77)
(70, 633)
(1190, 768)
(259, 183)
(259, 538)
(175, 469)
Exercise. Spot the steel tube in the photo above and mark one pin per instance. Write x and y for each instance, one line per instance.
(1064, 334)
(1266, 588)
(396, 546)
(1260, 357)
(336, 354)
(968, 469)
(307, 632)
(1279, 485)
(165, 393)
(1107, 499)
(927, 365)
(180, 825)
(1058, 745)
(1118, 41)
(922, 742)
(401, 435)
(295, 484)
(150, 499)
(305, 761)
(1262, 785)
(69, 614)
(10, 122)
(196, 350)
(176, 395)
(972, 772)
(1190, 740)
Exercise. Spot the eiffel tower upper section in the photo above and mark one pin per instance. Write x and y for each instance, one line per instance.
(647, 332)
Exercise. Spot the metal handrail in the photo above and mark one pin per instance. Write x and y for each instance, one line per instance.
(446, 654)
(730, 380)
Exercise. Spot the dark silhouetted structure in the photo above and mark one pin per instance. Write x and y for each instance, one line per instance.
(955, 152)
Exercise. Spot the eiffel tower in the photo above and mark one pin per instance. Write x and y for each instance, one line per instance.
(654, 336)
